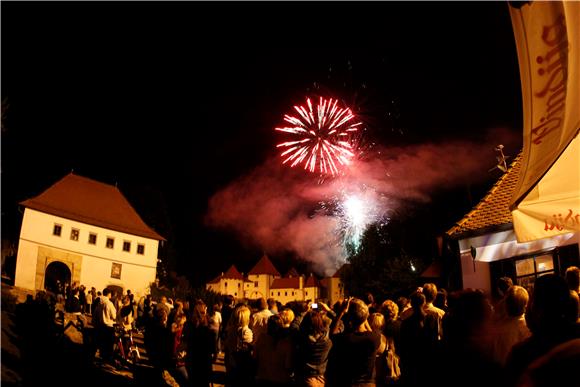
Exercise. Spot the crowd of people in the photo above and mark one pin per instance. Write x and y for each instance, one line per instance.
(526, 337)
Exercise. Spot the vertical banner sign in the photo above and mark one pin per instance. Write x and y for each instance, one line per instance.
(546, 201)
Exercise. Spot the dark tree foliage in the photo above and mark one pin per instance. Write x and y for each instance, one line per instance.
(382, 266)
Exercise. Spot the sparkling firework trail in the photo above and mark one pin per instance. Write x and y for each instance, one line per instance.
(323, 134)
(356, 209)
(357, 213)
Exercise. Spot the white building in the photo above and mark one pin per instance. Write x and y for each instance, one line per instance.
(261, 277)
(287, 289)
(334, 287)
(229, 283)
(80, 230)
(488, 247)
(265, 281)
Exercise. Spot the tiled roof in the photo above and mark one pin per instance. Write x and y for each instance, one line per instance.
(492, 212)
(286, 283)
(264, 266)
(312, 282)
(88, 201)
(232, 273)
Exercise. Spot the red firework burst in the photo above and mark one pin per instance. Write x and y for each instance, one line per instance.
(324, 137)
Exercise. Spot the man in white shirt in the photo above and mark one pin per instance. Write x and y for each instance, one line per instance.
(259, 319)
(430, 292)
(104, 318)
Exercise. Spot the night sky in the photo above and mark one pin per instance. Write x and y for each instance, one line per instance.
(173, 102)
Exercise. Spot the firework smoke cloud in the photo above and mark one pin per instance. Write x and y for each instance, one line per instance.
(276, 208)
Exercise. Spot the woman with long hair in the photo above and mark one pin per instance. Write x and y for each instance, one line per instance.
(199, 345)
(238, 348)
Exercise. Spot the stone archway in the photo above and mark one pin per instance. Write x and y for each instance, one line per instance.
(47, 256)
(56, 276)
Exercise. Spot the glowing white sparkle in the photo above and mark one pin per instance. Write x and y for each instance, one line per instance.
(357, 211)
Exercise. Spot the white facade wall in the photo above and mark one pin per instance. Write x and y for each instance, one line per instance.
(285, 295)
(311, 293)
(263, 289)
(95, 261)
(228, 286)
(335, 290)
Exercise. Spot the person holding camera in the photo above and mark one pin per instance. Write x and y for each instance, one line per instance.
(353, 354)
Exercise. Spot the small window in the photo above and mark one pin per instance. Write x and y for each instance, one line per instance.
(57, 230)
(236, 294)
(256, 284)
(140, 249)
(92, 239)
(525, 266)
(74, 234)
(278, 294)
(292, 293)
(544, 263)
(110, 243)
(286, 294)
(126, 246)
(272, 294)
(306, 293)
(226, 284)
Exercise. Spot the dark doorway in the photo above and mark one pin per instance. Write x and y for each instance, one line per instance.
(56, 276)
(116, 291)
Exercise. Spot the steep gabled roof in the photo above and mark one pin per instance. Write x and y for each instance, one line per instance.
(286, 283)
(264, 266)
(312, 282)
(233, 273)
(88, 201)
(492, 213)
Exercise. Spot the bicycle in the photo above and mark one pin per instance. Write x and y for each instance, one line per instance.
(125, 347)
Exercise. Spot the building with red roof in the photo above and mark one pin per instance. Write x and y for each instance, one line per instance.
(260, 278)
(230, 282)
(488, 247)
(264, 280)
(86, 232)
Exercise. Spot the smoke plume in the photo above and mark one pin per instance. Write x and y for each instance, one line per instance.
(273, 207)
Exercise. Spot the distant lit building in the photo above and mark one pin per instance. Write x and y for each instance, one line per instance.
(231, 282)
(261, 277)
(289, 288)
(264, 280)
(80, 230)
(334, 287)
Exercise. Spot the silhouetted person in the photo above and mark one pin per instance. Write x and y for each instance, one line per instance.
(552, 320)
(573, 278)
(467, 343)
(419, 337)
(353, 354)
(312, 349)
(200, 345)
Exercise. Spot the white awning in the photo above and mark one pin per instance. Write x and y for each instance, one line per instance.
(546, 201)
